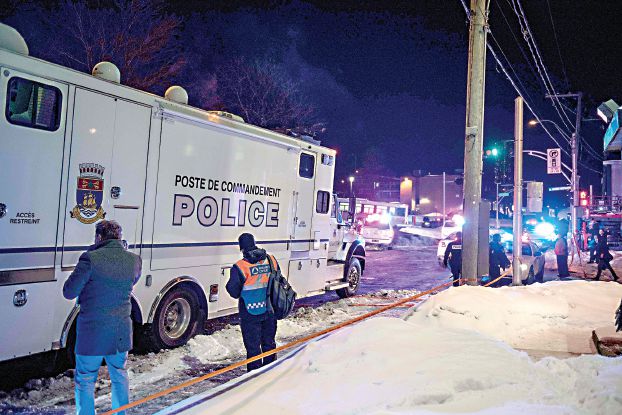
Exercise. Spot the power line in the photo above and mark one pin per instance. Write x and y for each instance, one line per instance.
(507, 75)
(518, 44)
(557, 44)
(591, 150)
(510, 65)
(535, 52)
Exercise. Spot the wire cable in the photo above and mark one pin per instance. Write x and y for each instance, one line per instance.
(540, 63)
(507, 75)
(559, 53)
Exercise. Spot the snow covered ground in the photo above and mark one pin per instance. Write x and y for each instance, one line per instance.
(389, 275)
(156, 371)
(444, 359)
(435, 233)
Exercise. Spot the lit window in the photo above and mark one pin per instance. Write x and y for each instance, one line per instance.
(323, 202)
(32, 104)
(307, 166)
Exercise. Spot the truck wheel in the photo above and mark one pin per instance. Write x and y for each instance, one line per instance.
(353, 277)
(175, 320)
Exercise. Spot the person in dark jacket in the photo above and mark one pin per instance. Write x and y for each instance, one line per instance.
(604, 256)
(102, 281)
(561, 251)
(592, 238)
(453, 257)
(497, 259)
(248, 282)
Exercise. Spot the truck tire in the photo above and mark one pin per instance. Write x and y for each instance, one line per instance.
(353, 277)
(175, 321)
(66, 358)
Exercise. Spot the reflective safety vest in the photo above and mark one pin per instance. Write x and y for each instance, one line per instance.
(255, 289)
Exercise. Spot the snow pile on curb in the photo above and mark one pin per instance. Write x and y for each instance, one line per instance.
(392, 366)
(555, 316)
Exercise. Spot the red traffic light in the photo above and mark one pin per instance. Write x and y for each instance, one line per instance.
(583, 202)
(583, 194)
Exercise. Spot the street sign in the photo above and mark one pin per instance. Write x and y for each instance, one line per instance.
(535, 191)
(553, 161)
(559, 189)
(504, 194)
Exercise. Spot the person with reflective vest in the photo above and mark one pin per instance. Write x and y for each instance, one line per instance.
(248, 282)
(453, 256)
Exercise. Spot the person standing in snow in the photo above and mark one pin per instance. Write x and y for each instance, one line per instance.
(102, 281)
(453, 257)
(497, 259)
(561, 251)
(604, 256)
(248, 282)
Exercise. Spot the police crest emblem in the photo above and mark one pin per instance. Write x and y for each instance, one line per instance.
(89, 194)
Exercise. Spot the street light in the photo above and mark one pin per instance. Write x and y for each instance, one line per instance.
(557, 127)
(351, 180)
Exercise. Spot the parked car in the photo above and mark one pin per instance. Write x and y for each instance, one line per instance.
(532, 261)
(432, 220)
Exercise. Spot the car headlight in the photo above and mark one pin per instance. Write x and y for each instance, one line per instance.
(545, 230)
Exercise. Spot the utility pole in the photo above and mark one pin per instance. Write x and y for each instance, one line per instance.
(517, 248)
(497, 206)
(473, 148)
(444, 178)
(574, 147)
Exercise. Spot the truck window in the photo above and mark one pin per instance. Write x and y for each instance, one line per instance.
(307, 166)
(322, 202)
(32, 104)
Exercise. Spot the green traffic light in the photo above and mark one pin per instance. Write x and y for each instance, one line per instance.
(495, 152)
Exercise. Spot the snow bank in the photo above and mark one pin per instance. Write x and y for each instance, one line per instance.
(556, 316)
(392, 366)
(435, 233)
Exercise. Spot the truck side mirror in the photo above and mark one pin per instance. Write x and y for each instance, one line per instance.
(352, 207)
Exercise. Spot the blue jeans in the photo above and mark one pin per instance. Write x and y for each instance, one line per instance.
(87, 368)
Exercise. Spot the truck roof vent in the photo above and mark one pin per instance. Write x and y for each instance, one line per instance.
(227, 115)
(107, 71)
(11, 40)
(310, 139)
(177, 94)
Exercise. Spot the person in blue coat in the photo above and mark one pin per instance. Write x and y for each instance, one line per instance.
(248, 282)
(102, 282)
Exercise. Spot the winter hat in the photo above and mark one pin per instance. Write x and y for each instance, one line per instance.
(246, 241)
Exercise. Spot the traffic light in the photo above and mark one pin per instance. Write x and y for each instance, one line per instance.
(583, 198)
(491, 152)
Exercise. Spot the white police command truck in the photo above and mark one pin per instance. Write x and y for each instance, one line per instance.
(184, 184)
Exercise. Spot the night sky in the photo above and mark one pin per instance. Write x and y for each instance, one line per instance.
(390, 77)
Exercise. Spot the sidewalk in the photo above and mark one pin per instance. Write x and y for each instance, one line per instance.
(578, 267)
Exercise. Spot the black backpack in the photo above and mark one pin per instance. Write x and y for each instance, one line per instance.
(280, 294)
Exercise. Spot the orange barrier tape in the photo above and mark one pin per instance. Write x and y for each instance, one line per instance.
(497, 279)
(407, 305)
(271, 352)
